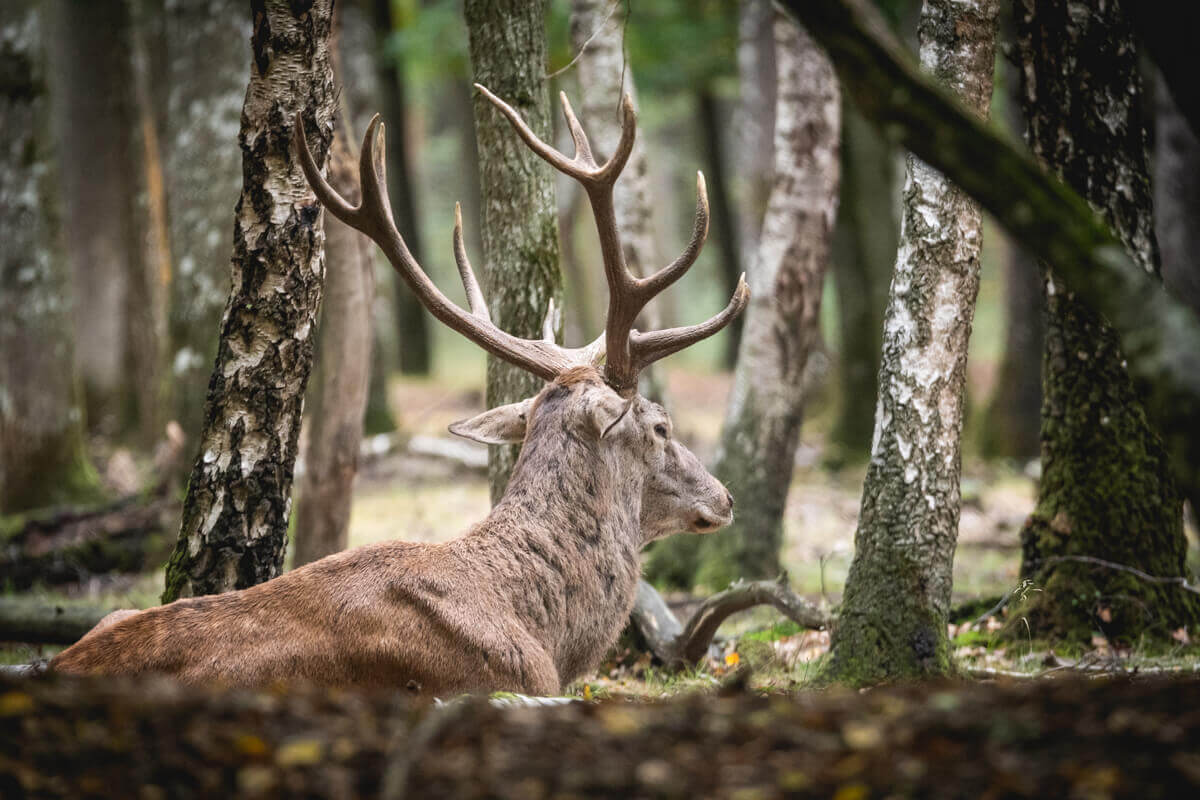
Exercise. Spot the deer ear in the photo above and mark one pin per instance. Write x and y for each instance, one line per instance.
(607, 412)
(500, 425)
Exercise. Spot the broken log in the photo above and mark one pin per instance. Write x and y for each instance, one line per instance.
(43, 623)
(67, 545)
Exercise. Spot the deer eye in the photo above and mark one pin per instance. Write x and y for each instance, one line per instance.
(660, 430)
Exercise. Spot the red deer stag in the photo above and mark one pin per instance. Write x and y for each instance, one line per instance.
(532, 596)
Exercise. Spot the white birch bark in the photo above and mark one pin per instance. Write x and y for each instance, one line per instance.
(893, 618)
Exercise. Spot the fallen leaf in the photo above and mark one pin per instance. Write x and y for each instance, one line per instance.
(732, 659)
(1181, 636)
(1105, 614)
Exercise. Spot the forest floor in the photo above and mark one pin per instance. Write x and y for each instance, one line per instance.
(420, 498)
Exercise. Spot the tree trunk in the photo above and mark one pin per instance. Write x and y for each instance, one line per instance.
(91, 79)
(236, 512)
(149, 263)
(762, 427)
(1106, 490)
(339, 397)
(42, 457)
(206, 78)
(520, 226)
(864, 251)
(1177, 208)
(708, 119)
(412, 320)
(755, 116)
(603, 78)
(892, 623)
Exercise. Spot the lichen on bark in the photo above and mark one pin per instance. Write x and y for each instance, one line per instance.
(1107, 491)
(892, 623)
(507, 40)
(235, 517)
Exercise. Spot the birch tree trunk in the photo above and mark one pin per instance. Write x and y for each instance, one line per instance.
(235, 516)
(206, 79)
(42, 458)
(1106, 490)
(762, 426)
(520, 225)
(892, 624)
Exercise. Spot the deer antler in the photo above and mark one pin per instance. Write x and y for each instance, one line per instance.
(628, 351)
(373, 217)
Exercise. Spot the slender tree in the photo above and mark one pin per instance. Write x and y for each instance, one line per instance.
(755, 116)
(337, 397)
(520, 226)
(1012, 422)
(864, 251)
(412, 320)
(892, 623)
(206, 83)
(236, 512)
(42, 457)
(1106, 491)
(762, 426)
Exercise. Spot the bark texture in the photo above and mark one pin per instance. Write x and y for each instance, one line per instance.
(762, 426)
(1106, 490)
(206, 79)
(520, 225)
(864, 251)
(892, 622)
(338, 398)
(236, 513)
(42, 458)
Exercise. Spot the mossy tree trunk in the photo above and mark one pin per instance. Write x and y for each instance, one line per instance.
(236, 513)
(1106, 490)
(762, 426)
(864, 250)
(892, 623)
(520, 221)
(206, 84)
(42, 456)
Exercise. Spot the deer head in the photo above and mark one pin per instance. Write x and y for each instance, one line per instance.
(679, 493)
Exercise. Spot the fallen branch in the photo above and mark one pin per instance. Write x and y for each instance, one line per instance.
(679, 645)
(458, 452)
(46, 624)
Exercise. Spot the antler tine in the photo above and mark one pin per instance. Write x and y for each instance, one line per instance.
(372, 179)
(646, 348)
(656, 283)
(475, 298)
(548, 153)
(550, 323)
(328, 196)
(611, 169)
(583, 148)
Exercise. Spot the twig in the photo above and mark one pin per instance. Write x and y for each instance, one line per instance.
(590, 39)
(1179, 581)
(994, 610)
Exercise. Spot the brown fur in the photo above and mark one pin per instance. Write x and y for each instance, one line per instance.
(526, 600)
